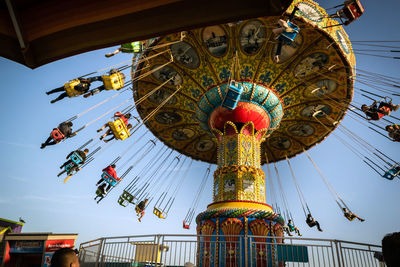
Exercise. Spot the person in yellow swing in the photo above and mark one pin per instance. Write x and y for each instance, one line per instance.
(140, 208)
(132, 47)
(114, 80)
(75, 87)
(110, 125)
(351, 216)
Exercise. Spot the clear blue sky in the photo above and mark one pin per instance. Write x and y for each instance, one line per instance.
(30, 188)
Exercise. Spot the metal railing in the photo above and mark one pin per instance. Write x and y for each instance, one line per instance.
(209, 251)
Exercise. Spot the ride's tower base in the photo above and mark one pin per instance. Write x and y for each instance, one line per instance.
(239, 210)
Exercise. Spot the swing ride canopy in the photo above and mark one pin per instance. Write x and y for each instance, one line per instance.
(36, 32)
(313, 77)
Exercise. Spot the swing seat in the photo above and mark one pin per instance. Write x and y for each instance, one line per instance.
(133, 47)
(353, 10)
(57, 135)
(128, 197)
(69, 166)
(186, 226)
(159, 213)
(109, 179)
(114, 81)
(392, 173)
(288, 37)
(122, 201)
(119, 129)
(76, 158)
(69, 88)
(232, 96)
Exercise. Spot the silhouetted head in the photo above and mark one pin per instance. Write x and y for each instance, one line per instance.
(128, 115)
(364, 107)
(290, 221)
(309, 215)
(112, 166)
(65, 257)
(129, 126)
(391, 249)
(344, 210)
(389, 128)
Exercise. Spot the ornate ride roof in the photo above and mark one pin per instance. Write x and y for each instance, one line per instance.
(320, 57)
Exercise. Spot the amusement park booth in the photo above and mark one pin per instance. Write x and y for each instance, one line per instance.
(34, 249)
(7, 226)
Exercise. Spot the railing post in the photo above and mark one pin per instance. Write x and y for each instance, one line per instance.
(156, 247)
(339, 254)
(246, 251)
(99, 252)
(333, 253)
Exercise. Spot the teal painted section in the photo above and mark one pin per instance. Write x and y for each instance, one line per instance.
(292, 253)
(253, 93)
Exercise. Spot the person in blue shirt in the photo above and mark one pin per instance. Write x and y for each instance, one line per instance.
(287, 32)
(292, 228)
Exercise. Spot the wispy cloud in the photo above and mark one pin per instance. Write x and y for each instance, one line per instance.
(19, 144)
(70, 199)
(4, 201)
(16, 178)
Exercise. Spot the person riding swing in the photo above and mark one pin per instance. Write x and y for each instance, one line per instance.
(394, 132)
(375, 112)
(118, 127)
(351, 216)
(351, 10)
(63, 131)
(311, 222)
(132, 47)
(287, 32)
(290, 227)
(140, 208)
(114, 80)
(108, 173)
(74, 160)
(73, 88)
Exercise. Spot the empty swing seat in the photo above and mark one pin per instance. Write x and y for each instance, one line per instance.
(159, 213)
(119, 129)
(109, 179)
(288, 37)
(57, 135)
(114, 81)
(125, 198)
(70, 88)
(232, 96)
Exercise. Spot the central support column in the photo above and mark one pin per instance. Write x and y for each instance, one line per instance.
(239, 211)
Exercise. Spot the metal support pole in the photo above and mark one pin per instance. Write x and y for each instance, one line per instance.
(99, 252)
(338, 254)
(246, 251)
